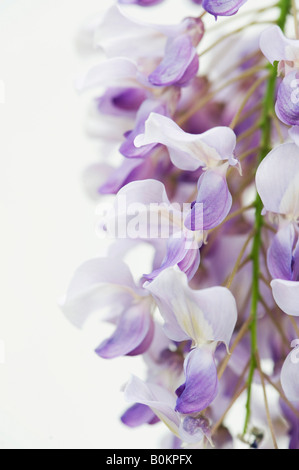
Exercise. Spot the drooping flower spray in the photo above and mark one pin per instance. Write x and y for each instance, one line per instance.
(203, 166)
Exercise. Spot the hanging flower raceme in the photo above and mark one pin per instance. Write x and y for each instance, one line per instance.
(283, 263)
(221, 263)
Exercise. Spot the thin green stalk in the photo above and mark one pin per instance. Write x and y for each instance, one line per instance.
(265, 126)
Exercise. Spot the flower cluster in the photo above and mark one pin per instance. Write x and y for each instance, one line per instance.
(203, 167)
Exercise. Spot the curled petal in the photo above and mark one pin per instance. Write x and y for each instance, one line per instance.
(121, 36)
(189, 151)
(133, 334)
(201, 385)
(118, 71)
(290, 376)
(286, 295)
(179, 65)
(178, 253)
(222, 7)
(216, 200)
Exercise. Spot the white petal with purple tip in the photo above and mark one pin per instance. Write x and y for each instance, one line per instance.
(189, 151)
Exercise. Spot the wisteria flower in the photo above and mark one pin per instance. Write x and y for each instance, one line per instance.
(107, 282)
(188, 151)
(277, 181)
(203, 317)
(276, 47)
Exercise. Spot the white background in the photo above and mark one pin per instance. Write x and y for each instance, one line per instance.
(54, 391)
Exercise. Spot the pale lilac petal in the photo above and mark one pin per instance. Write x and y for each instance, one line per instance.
(280, 254)
(201, 385)
(290, 377)
(118, 71)
(121, 36)
(287, 104)
(276, 47)
(194, 220)
(286, 295)
(137, 415)
(169, 293)
(224, 141)
(294, 134)
(220, 309)
(96, 284)
(222, 7)
(142, 211)
(145, 192)
(216, 200)
(160, 400)
(203, 316)
(188, 151)
(178, 253)
(179, 64)
(160, 129)
(135, 328)
(277, 180)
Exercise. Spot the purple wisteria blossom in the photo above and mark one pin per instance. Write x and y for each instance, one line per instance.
(197, 184)
(108, 283)
(276, 47)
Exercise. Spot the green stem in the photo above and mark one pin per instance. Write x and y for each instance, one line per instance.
(265, 126)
